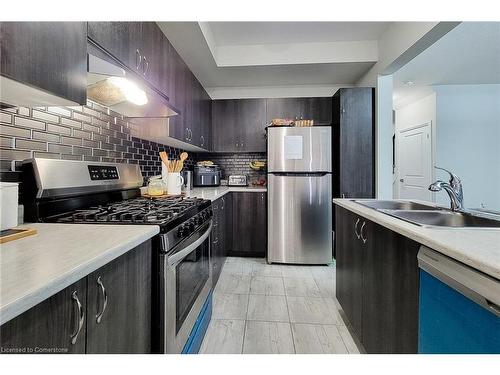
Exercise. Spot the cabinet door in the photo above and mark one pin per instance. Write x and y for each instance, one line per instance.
(283, 108)
(50, 325)
(119, 39)
(249, 224)
(225, 127)
(349, 266)
(27, 55)
(318, 109)
(195, 112)
(228, 225)
(150, 45)
(390, 291)
(251, 123)
(125, 324)
(177, 73)
(215, 256)
(206, 120)
(356, 148)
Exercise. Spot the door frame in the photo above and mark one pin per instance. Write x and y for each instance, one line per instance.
(397, 168)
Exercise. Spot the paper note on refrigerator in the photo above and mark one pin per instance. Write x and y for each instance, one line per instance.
(293, 147)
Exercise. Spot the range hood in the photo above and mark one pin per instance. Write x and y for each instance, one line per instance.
(114, 86)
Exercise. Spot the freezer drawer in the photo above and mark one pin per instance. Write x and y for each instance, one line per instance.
(299, 218)
(292, 149)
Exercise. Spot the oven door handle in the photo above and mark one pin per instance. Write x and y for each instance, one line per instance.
(177, 257)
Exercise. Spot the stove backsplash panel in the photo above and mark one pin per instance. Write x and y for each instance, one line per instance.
(91, 133)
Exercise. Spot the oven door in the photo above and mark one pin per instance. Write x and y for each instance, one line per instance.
(188, 281)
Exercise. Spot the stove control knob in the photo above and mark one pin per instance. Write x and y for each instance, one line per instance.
(181, 231)
(191, 226)
(199, 219)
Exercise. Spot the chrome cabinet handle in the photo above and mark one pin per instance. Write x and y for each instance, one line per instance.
(105, 299)
(81, 317)
(223, 203)
(138, 59)
(361, 232)
(202, 139)
(343, 195)
(145, 66)
(356, 229)
(187, 134)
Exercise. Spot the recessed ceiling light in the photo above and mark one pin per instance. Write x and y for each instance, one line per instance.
(408, 83)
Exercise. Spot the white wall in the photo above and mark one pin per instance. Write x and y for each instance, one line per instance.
(419, 112)
(383, 138)
(468, 141)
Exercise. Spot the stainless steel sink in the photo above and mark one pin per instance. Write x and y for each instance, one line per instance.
(444, 218)
(394, 205)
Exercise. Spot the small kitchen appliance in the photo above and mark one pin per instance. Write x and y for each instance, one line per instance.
(206, 175)
(237, 180)
(64, 191)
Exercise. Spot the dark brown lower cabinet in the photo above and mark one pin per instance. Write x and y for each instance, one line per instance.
(377, 283)
(221, 234)
(50, 326)
(249, 224)
(125, 323)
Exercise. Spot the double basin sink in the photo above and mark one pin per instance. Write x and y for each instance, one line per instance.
(424, 215)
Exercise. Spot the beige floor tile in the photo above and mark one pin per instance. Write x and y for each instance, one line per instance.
(326, 287)
(268, 338)
(237, 268)
(301, 287)
(223, 337)
(233, 283)
(269, 286)
(349, 340)
(323, 272)
(317, 339)
(267, 308)
(229, 306)
(296, 271)
(313, 310)
(261, 269)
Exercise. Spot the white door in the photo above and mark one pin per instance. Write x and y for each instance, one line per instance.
(415, 162)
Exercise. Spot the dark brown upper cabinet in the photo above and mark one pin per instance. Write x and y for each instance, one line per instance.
(318, 109)
(239, 125)
(49, 56)
(137, 45)
(354, 143)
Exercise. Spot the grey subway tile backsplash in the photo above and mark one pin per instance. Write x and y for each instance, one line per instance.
(44, 116)
(31, 145)
(29, 123)
(14, 131)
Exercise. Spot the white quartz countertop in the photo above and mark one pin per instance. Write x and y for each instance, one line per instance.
(36, 267)
(214, 193)
(476, 247)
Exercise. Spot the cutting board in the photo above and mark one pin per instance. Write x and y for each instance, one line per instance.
(15, 234)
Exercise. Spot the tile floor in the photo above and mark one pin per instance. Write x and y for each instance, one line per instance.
(260, 308)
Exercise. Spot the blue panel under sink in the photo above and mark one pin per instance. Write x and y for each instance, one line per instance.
(450, 323)
(195, 339)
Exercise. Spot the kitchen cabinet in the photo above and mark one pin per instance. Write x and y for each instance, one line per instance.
(51, 325)
(318, 109)
(126, 282)
(125, 319)
(377, 283)
(134, 44)
(239, 125)
(353, 143)
(249, 224)
(27, 55)
(221, 234)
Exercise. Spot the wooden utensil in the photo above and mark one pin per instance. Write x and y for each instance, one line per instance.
(184, 156)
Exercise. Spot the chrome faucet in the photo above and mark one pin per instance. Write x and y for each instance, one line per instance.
(453, 188)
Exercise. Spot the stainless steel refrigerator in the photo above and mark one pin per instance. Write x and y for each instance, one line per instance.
(299, 195)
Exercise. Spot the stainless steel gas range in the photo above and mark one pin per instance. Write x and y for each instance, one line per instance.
(63, 191)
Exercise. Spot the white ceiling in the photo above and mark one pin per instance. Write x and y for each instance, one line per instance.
(276, 54)
(243, 33)
(468, 54)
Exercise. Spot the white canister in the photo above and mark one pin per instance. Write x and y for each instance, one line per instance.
(164, 173)
(8, 202)
(174, 183)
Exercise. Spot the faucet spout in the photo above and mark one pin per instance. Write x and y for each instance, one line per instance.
(453, 188)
